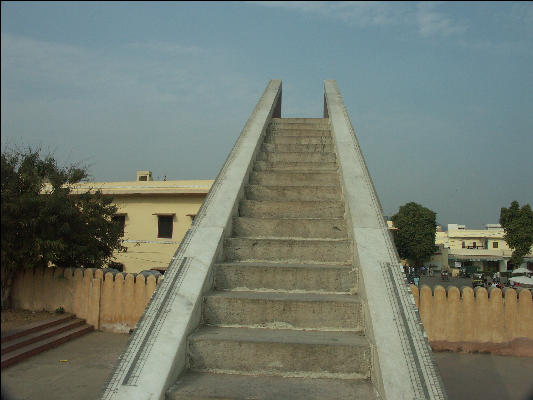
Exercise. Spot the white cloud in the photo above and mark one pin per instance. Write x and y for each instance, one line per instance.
(424, 17)
(434, 23)
(359, 13)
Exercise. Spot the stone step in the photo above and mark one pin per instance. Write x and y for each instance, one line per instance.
(295, 166)
(280, 352)
(277, 139)
(35, 327)
(292, 131)
(293, 193)
(297, 157)
(313, 251)
(30, 350)
(198, 385)
(292, 125)
(315, 278)
(292, 148)
(291, 209)
(40, 335)
(290, 227)
(307, 121)
(282, 310)
(290, 178)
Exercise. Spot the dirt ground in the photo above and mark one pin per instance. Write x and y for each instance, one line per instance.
(12, 319)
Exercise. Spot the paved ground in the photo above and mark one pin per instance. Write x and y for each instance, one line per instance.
(484, 376)
(91, 358)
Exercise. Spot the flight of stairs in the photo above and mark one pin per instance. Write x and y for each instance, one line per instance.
(284, 320)
(29, 340)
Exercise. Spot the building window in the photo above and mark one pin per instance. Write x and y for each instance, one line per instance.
(494, 245)
(463, 245)
(120, 220)
(164, 226)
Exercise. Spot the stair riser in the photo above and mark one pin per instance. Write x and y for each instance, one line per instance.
(299, 127)
(296, 157)
(40, 327)
(295, 228)
(287, 193)
(10, 360)
(237, 249)
(328, 278)
(271, 313)
(294, 166)
(294, 178)
(277, 139)
(204, 386)
(304, 209)
(8, 348)
(278, 358)
(288, 148)
(306, 121)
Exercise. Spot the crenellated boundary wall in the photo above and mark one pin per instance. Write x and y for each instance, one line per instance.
(496, 321)
(112, 303)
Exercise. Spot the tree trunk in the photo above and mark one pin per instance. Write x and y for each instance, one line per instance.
(8, 278)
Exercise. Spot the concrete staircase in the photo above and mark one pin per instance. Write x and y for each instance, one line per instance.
(284, 319)
(29, 340)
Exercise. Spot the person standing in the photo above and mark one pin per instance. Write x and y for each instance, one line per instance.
(416, 279)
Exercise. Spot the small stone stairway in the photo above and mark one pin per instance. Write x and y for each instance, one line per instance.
(29, 340)
(284, 320)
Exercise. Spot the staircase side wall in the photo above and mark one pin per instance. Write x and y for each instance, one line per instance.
(403, 365)
(157, 352)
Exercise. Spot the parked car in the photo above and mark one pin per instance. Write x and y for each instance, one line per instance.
(445, 275)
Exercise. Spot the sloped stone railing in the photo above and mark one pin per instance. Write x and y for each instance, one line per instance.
(403, 366)
(494, 321)
(157, 352)
(112, 303)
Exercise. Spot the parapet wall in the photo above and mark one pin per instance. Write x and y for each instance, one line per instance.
(109, 303)
(487, 321)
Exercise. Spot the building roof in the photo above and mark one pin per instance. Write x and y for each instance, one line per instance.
(181, 187)
(477, 233)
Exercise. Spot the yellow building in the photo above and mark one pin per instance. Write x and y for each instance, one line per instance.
(484, 249)
(155, 216)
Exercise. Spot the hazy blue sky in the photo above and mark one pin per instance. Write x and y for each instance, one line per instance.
(440, 95)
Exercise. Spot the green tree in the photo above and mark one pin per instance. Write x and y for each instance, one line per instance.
(415, 233)
(43, 223)
(517, 224)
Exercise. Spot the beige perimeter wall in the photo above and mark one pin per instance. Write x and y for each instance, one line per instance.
(109, 303)
(495, 321)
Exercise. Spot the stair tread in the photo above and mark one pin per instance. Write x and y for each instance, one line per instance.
(285, 265)
(284, 336)
(296, 187)
(47, 341)
(328, 219)
(200, 385)
(285, 296)
(74, 322)
(288, 239)
(27, 329)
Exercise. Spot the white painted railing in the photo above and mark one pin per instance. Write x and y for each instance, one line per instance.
(157, 351)
(403, 365)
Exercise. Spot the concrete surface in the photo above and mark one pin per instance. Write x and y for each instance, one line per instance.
(74, 370)
(196, 386)
(91, 358)
(486, 376)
